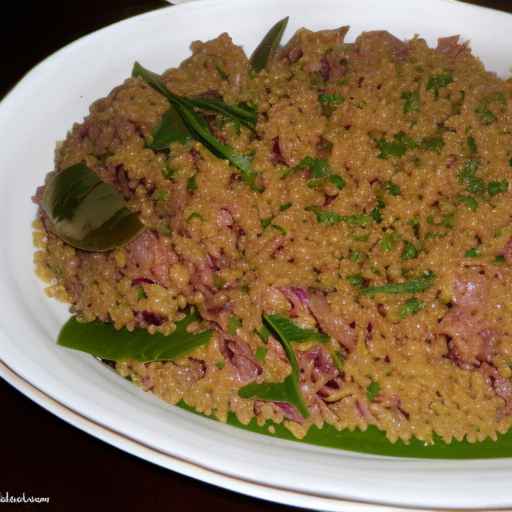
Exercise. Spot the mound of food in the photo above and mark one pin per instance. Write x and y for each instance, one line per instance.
(338, 215)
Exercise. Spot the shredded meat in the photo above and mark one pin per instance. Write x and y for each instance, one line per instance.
(329, 323)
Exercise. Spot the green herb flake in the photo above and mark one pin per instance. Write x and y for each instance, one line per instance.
(265, 223)
(418, 285)
(220, 364)
(468, 201)
(261, 353)
(497, 187)
(356, 280)
(279, 228)
(333, 99)
(500, 259)
(397, 147)
(263, 333)
(192, 184)
(411, 101)
(485, 115)
(141, 294)
(234, 323)
(474, 252)
(318, 168)
(392, 188)
(289, 390)
(434, 144)
(194, 215)
(411, 307)
(409, 251)
(337, 181)
(357, 256)
(389, 241)
(472, 145)
(222, 74)
(372, 390)
(284, 207)
(103, 340)
(330, 218)
(439, 81)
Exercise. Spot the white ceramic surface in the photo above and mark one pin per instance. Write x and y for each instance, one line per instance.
(41, 109)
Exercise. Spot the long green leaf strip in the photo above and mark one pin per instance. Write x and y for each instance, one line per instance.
(287, 391)
(268, 46)
(88, 213)
(198, 127)
(104, 341)
(171, 129)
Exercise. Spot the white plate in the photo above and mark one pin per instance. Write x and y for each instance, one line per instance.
(41, 109)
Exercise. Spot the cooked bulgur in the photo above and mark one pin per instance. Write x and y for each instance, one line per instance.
(383, 163)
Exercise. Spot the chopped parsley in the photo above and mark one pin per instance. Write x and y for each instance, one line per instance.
(356, 280)
(397, 147)
(331, 99)
(409, 251)
(433, 143)
(497, 187)
(439, 81)
(261, 353)
(192, 184)
(330, 218)
(265, 223)
(417, 285)
(472, 145)
(284, 207)
(411, 307)
(392, 188)
(372, 390)
(468, 201)
(234, 323)
(411, 101)
(474, 252)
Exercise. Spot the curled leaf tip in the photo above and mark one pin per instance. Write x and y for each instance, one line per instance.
(268, 46)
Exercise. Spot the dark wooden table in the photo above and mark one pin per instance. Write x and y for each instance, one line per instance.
(42, 455)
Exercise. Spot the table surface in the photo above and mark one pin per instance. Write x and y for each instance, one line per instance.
(41, 454)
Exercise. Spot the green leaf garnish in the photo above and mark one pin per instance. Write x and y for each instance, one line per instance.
(198, 127)
(239, 114)
(104, 341)
(88, 213)
(413, 286)
(171, 129)
(287, 391)
(292, 332)
(268, 46)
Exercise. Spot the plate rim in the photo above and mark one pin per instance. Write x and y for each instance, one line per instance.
(76, 418)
